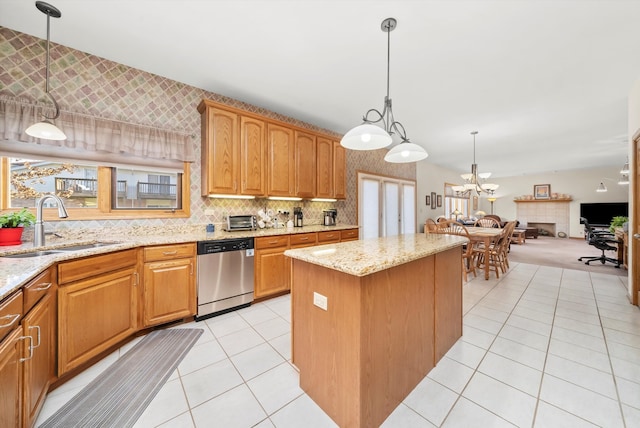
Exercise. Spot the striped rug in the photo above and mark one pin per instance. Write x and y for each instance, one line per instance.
(119, 395)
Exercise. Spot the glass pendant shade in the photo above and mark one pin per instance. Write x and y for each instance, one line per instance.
(366, 137)
(624, 179)
(625, 169)
(406, 152)
(45, 130)
(601, 188)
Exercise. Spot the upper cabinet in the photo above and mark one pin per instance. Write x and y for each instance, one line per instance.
(305, 171)
(281, 166)
(244, 153)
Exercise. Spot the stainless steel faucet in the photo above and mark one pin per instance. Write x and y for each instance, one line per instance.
(38, 232)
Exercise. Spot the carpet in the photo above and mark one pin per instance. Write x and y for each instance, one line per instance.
(120, 394)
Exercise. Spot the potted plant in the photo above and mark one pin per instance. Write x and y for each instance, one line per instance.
(12, 224)
(618, 221)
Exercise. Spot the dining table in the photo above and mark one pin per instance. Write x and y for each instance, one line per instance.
(486, 236)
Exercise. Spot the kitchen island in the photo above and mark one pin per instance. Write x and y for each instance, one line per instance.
(371, 318)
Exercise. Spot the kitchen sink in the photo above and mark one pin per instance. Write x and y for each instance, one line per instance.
(32, 254)
(86, 246)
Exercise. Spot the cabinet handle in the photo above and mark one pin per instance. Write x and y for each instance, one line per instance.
(30, 348)
(191, 264)
(170, 253)
(44, 286)
(38, 327)
(12, 318)
(273, 242)
(135, 282)
(304, 239)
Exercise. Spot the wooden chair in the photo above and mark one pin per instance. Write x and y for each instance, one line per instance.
(452, 227)
(486, 222)
(430, 225)
(498, 252)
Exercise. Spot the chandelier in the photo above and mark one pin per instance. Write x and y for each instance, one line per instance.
(371, 137)
(46, 129)
(475, 181)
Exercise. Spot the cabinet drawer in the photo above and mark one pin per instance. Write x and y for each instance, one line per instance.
(325, 237)
(10, 313)
(349, 234)
(95, 265)
(300, 239)
(36, 289)
(271, 242)
(169, 252)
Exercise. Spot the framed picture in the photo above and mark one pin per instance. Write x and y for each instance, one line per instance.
(428, 200)
(439, 201)
(541, 191)
(433, 200)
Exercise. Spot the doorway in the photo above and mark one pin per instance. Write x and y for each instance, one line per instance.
(635, 230)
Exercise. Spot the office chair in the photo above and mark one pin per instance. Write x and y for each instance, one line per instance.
(602, 240)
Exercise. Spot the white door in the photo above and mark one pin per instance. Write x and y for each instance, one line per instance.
(386, 206)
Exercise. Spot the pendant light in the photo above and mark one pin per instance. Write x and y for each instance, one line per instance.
(601, 188)
(625, 168)
(474, 181)
(46, 129)
(371, 137)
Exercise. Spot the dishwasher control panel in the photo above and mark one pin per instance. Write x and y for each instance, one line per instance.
(225, 245)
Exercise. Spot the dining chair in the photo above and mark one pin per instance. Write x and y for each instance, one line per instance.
(452, 227)
(430, 225)
(497, 259)
(486, 222)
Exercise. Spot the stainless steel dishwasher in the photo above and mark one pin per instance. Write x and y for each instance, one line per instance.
(225, 276)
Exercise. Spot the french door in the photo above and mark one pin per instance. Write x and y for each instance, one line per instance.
(386, 206)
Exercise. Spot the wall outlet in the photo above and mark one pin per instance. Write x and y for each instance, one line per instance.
(209, 211)
(320, 301)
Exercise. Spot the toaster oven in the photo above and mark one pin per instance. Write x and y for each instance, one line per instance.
(241, 222)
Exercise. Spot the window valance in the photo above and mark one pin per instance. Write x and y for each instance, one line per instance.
(91, 136)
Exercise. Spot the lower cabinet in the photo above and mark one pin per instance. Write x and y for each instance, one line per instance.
(349, 235)
(97, 306)
(10, 365)
(169, 283)
(272, 267)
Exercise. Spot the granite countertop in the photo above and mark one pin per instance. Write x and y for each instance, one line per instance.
(367, 256)
(15, 272)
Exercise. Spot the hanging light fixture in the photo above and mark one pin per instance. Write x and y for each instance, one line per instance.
(46, 129)
(474, 182)
(624, 179)
(625, 168)
(371, 137)
(601, 188)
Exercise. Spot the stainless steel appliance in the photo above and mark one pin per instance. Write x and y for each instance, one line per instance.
(241, 222)
(330, 217)
(297, 216)
(225, 276)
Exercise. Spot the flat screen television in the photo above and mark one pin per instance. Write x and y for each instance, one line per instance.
(603, 212)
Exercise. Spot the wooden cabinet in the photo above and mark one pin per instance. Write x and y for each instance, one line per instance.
(169, 291)
(10, 379)
(339, 171)
(39, 363)
(253, 155)
(220, 151)
(272, 267)
(97, 305)
(305, 164)
(328, 237)
(349, 235)
(281, 162)
(324, 168)
(299, 240)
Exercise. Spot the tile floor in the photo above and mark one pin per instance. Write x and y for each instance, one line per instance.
(542, 347)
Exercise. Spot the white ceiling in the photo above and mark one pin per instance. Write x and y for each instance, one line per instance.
(544, 82)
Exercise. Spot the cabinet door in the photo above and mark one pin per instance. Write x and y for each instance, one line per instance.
(305, 166)
(94, 314)
(10, 380)
(253, 153)
(39, 368)
(328, 237)
(169, 291)
(220, 152)
(281, 165)
(339, 171)
(324, 168)
(272, 271)
(349, 235)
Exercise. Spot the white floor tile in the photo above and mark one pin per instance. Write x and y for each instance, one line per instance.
(524, 337)
(282, 344)
(468, 414)
(505, 401)
(210, 381)
(631, 416)
(235, 408)
(511, 373)
(581, 375)
(629, 392)
(624, 352)
(226, 324)
(201, 356)
(532, 314)
(276, 387)
(466, 353)
(549, 416)
(622, 337)
(477, 337)
(404, 417)
(579, 326)
(256, 360)
(302, 412)
(452, 374)
(481, 323)
(528, 324)
(182, 421)
(273, 328)
(580, 355)
(584, 340)
(518, 352)
(626, 369)
(240, 341)
(581, 402)
(257, 313)
(169, 403)
(431, 400)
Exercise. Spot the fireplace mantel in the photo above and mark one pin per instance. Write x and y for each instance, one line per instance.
(521, 201)
(550, 211)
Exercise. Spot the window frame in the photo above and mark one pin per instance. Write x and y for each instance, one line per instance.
(103, 210)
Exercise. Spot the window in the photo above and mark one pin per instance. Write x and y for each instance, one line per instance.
(454, 205)
(96, 192)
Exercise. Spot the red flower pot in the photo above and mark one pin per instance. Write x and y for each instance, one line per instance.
(11, 235)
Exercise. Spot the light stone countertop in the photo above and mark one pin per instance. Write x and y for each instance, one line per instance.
(367, 256)
(16, 272)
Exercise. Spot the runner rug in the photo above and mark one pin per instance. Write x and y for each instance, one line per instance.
(120, 394)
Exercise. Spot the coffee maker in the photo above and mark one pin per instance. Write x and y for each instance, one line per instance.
(297, 216)
(330, 217)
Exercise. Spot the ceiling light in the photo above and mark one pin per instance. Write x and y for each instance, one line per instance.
(601, 188)
(371, 137)
(46, 129)
(624, 179)
(625, 168)
(474, 180)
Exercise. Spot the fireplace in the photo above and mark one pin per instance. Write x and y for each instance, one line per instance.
(544, 229)
(550, 217)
